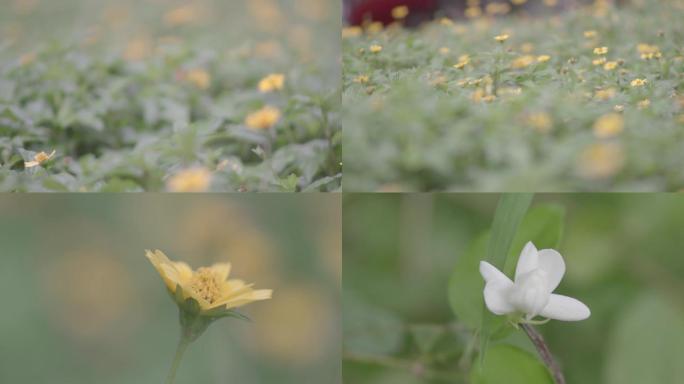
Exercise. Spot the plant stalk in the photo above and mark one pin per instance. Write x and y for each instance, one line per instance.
(544, 352)
(180, 350)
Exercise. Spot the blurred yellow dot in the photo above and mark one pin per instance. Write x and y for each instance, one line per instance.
(375, 48)
(400, 12)
(608, 126)
(196, 179)
(264, 118)
(600, 161)
(199, 78)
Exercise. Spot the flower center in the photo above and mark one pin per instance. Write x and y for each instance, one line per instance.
(205, 283)
(530, 294)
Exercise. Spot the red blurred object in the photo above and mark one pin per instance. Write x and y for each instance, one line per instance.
(381, 10)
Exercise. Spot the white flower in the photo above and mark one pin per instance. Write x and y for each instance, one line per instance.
(537, 274)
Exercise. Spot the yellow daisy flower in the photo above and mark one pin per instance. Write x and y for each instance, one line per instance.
(375, 48)
(272, 82)
(600, 50)
(209, 286)
(38, 159)
(264, 118)
(501, 38)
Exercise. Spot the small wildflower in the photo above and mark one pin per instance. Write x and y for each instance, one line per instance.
(643, 104)
(543, 58)
(537, 274)
(264, 118)
(638, 82)
(444, 51)
(610, 65)
(272, 82)
(361, 79)
(600, 50)
(463, 60)
(599, 61)
(523, 61)
(591, 34)
(199, 78)
(619, 108)
(374, 28)
(608, 126)
(350, 32)
(605, 94)
(375, 48)
(601, 160)
(540, 121)
(195, 179)
(501, 38)
(38, 159)
(472, 12)
(400, 12)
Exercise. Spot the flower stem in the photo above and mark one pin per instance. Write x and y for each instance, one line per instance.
(182, 346)
(544, 352)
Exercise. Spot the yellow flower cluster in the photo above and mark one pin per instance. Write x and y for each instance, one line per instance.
(264, 118)
(272, 82)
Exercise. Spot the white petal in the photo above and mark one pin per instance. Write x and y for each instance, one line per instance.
(497, 288)
(551, 262)
(565, 308)
(528, 260)
(492, 275)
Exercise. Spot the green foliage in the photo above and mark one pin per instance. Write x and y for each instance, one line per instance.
(646, 344)
(512, 365)
(419, 124)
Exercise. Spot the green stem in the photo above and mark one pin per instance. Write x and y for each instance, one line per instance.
(182, 346)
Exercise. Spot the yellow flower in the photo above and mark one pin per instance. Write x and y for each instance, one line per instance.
(497, 8)
(375, 48)
(195, 179)
(209, 286)
(599, 61)
(638, 82)
(608, 126)
(540, 121)
(272, 82)
(522, 61)
(444, 51)
(38, 159)
(543, 58)
(199, 78)
(604, 94)
(644, 104)
(601, 161)
(501, 38)
(472, 12)
(349, 32)
(609, 66)
(264, 118)
(590, 34)
(463, 60)
(400, 12)
(361, 79)
(600, 50)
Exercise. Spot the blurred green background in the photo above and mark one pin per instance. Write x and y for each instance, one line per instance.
(82, 304)
(624, 260)
(304, 31)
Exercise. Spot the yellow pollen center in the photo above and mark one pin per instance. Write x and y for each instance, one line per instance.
(206, 285)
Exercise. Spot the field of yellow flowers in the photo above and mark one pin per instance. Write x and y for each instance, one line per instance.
(169, 96)
(587, 99)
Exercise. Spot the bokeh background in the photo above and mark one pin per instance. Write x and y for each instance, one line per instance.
(624, 259)
(82, 304)
(306, 31)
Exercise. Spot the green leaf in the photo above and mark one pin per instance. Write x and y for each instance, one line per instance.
(645, 346)
(511, 365)
(509, 214)
(466, 284)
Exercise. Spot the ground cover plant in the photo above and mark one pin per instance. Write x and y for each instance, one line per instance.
(585, 99)
(169, 96)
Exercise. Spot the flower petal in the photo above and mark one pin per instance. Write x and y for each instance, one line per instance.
(496, 289)
(528, 260)
(565, 308)
(551, 262)
(492, 275)
(222, 270)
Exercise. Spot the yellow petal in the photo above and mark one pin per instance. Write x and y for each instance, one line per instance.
(222, 270)
(261, 294)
